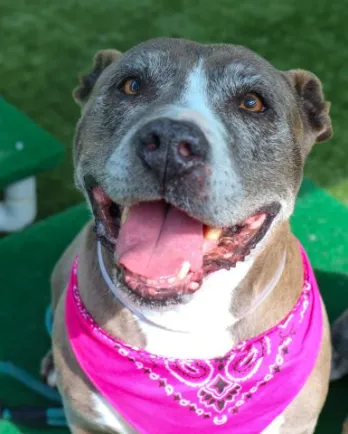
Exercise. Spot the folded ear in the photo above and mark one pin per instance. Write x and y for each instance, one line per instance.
(102, 59)
(314, 109)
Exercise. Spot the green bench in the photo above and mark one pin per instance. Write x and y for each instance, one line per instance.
(25, 150)
(28, 258)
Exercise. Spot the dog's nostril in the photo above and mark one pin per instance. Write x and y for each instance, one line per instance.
(185, 149)
(151, 146)
(152, 142)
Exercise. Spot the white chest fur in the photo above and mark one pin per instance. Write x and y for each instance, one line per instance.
(108, 418)
(200, 327)
(275, 426)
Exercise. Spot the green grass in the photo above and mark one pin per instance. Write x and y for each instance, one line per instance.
(46, 44)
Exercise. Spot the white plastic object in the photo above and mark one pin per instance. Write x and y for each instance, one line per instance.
(18, 208)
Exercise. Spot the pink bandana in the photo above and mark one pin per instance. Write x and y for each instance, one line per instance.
(240, 392)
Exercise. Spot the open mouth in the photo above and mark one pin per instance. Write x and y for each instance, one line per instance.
(162, 253)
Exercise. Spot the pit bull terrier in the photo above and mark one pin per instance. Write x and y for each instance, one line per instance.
(186, 304)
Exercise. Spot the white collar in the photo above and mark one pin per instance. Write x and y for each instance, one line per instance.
(121, 298)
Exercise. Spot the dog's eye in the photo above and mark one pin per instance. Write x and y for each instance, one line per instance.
(252, 103)
(131, 86)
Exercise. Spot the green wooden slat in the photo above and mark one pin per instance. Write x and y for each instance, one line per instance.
(25, 149)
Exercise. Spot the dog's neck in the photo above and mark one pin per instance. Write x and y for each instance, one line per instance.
(225, 310)
(209, 301)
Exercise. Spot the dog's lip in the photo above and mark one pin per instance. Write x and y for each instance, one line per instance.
(233, 242)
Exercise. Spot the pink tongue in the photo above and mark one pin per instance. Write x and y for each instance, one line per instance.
(154, 242)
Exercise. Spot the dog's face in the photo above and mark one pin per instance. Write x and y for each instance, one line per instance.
(189, 155)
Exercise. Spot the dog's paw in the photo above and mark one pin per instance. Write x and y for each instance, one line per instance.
(47, 370)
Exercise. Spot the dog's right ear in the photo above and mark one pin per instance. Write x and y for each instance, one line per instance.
(314, 109)
(102, 60)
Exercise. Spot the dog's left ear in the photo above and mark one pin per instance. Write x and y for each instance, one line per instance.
(314, 109)
(101, 61)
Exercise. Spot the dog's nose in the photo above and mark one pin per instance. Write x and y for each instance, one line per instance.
(170, 148)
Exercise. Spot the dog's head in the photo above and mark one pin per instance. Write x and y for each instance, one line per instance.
(189, 155)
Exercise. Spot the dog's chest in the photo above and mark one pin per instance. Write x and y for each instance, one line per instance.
(205, 345)
(201, 329)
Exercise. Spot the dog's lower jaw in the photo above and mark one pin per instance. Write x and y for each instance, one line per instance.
(152, 272)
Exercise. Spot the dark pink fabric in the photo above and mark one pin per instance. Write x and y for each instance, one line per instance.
(242, 391)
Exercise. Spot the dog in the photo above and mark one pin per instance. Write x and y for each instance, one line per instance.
(185, 304)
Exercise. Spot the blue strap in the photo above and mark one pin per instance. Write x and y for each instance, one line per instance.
(11, 370)
(49, 320)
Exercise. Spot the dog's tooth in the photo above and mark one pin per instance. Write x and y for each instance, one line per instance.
(193, 286)
(185, 268)
(171, 280)
(212, 234)
(124, 215)
(152, 291)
